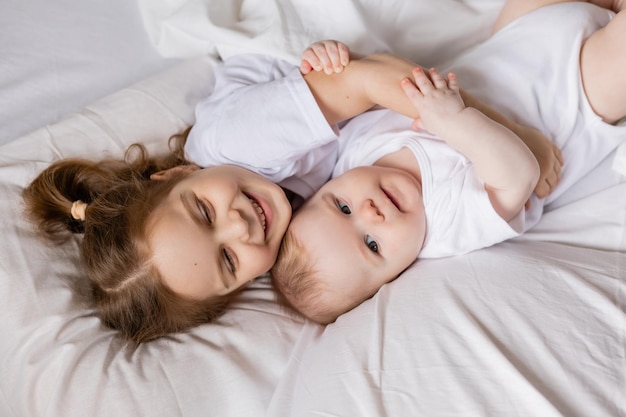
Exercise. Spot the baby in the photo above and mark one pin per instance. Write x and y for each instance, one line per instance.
(459, 182)
(364, 227)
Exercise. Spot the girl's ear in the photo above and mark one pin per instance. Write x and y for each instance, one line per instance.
(166, 174)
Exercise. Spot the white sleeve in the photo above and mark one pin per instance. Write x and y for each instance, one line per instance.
(462, 219)
(261, 115)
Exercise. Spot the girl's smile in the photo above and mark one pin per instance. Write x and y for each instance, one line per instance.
(218, 229)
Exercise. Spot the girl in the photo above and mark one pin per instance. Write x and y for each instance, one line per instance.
(117, 205)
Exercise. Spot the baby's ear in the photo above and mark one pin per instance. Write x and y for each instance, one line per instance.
(166, 174)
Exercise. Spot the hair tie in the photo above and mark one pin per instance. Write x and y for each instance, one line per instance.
(78, 210)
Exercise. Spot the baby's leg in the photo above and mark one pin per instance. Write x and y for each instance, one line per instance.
(602, 63)
(513, 9)
(615, 5)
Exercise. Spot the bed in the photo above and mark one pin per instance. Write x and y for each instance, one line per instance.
(531, 327)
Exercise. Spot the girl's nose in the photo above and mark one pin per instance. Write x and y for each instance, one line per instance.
(234, 226)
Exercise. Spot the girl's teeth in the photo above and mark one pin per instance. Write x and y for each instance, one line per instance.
(258, 210)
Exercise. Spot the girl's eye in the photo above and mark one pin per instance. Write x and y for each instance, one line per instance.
(371, 244)
(230, 262)
(343, 207)
(205, 211)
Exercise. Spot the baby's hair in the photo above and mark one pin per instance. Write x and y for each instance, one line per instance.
(129, 292)
(296, 284)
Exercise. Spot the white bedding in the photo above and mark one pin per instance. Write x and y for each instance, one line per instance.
(530, 327)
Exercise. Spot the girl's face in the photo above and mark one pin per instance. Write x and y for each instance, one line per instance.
(218, 229)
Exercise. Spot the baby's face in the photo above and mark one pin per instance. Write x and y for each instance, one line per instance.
(361, 230)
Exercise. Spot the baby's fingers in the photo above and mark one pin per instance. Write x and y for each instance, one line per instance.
(422, 81)
(544, 187)
(548, 181)
(559, 156)
(411, 91)
(453, 82)
(550, 173)
(416, 97)
(437, 79)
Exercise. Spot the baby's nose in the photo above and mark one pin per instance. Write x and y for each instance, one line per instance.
(371, 211)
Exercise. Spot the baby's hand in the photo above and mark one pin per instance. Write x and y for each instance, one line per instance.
(436, 99)
(329, 55)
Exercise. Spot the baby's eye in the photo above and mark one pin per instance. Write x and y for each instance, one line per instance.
(343, 207)
(371, 244)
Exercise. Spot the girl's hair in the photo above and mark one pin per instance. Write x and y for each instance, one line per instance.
(128, 289)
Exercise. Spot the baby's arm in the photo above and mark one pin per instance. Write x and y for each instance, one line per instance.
(546, 152)
(374, 80)
(502, 160)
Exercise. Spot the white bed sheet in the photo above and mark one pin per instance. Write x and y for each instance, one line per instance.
(531, 327)
(535, 326)
(427, 31)
(59, 56)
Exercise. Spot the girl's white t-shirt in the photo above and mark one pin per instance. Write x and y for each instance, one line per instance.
(263, 116)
